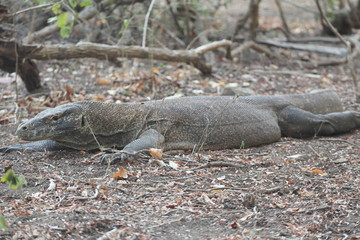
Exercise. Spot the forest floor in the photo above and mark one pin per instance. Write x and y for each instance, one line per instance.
(302, 188)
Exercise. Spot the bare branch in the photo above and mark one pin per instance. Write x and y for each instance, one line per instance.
(348, 46)
(33, 8)
(253, 45)
(212, 46)
(87, 13)
(146, 22)
(110, 52)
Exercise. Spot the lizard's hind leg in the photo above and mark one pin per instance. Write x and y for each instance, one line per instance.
(295, 122)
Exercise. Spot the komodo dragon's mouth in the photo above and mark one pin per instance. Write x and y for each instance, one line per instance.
(26, 131)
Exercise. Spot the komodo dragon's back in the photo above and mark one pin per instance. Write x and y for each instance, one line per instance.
(231, 122)
(187, 123)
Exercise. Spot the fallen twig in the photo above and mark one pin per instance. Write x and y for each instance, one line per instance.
(312, 149)
(217, 164)
(338, 140)
(288, 72)
(252, 45)
(311, 210)
(307, 47)
(271, 190)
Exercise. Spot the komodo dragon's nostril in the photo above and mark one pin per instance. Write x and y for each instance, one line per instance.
(24, 128)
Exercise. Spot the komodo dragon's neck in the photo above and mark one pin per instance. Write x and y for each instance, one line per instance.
(107, 118)
(107, 125)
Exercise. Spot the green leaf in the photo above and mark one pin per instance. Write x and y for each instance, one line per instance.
(22, 181)
(14, 181)
(52, 19)
(3, 223)
(65, 31)
(56, 8)
(85, 3)
(242, 145)
(8, 176)
(61, 20)
(73, 3)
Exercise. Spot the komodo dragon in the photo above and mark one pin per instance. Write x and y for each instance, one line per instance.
(186, 123)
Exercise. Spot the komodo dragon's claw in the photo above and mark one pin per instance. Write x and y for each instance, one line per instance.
(12, 148)
(113, 158)
(5, 149)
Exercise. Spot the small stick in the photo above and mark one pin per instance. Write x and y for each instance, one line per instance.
(146, 23)
(338, 140)
(312, 149)
(217, 164)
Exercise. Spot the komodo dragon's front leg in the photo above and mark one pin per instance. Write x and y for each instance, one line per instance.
(38, 146)
(295, 122)
(148, 139)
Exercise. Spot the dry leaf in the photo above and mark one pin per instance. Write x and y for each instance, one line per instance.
(217, 191)
(155, 70)
(121, 174)
(102, 82)
(52, 185)
(69, 90)
(155, 152)
(173, 165)
(221, 178)
(317, 171)
(246, 217)
(234, 225)
(206, 199)
(159, 162)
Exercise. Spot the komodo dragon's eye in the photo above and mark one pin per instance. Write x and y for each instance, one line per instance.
(55, 117)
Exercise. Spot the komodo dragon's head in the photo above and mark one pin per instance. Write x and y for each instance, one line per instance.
(53, 123)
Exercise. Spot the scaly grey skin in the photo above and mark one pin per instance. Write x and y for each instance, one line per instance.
(188, 123)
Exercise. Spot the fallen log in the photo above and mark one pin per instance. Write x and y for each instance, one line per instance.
(108, 52)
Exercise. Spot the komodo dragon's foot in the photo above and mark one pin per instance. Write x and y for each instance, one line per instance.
(37, 146)
(113, 158)
(12, 148)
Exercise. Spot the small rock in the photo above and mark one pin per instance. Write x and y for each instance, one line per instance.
(249, 201)
(297, 156)
(238, 91)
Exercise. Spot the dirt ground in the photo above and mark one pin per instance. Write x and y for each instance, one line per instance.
(291, 189)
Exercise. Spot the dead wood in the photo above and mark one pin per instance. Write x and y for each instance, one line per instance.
(9, 60)
(347, 43)
(254, 18)
(87, 13)
(330, 40)
(103, 51)
(252, 13)
(307, 47)
(107, 52)
(252, 45)
(282, 16)
(18, 58)
(271, 190)
(217, 164)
